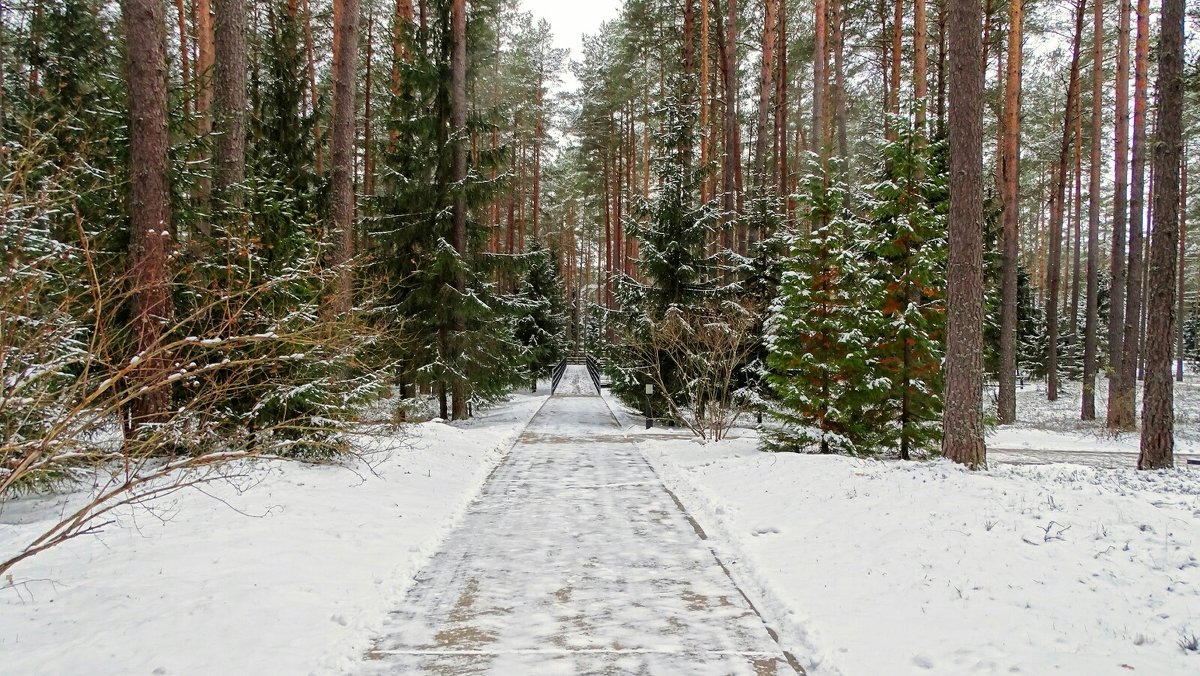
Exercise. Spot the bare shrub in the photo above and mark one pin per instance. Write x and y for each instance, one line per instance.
(693, 356)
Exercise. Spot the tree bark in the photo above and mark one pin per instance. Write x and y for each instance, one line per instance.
(820, 78)
(732, 152)
(538, 130)
(1183, 195)
(1077, 226)
(897, 57)
(781, 99)
(838, 37)
(962, 421)
(458, 173)
(921, 63)
(1117, 261)
(1011, 169)
(1122, 392)
(1092, 320)
(766, 72)
(689, 38)
(184, 57)
(341, 158)
(1158, 410)
(204, 65)
(312, 88)
(368, 140)
(704, 102)
(149, 205)
(229, 109)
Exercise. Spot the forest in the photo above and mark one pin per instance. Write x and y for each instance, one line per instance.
(230, 227)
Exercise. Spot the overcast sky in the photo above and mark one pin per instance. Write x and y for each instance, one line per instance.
(570, 19)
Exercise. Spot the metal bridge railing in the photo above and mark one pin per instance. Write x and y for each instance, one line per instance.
(594, 370)
(558, 374)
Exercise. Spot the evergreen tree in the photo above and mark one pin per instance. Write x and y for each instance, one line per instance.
(907, 258)
(542, 313)
(675, 270)
(444, 337)
(819, 332)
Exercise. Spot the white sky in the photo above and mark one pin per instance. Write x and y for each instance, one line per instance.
(570, 20)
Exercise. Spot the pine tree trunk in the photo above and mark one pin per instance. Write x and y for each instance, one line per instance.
(537, 162)
(184, 58)
(149, 205)
(1057, 211)
(1092, 320)
(204, 65)
(1183, 194)
(341, 188)
(521, 187)
(368, 140)
(229, 110)
(766, 72)
(619, 211)
(820, 78)
(941, 69)
(1077, 221)
(838, 37)
(897, 57)
(312, 88)
(962, 422)
(921, 63)
(1158, 412)
(704, 102)
(458, 173)
(608, 230)
(1117, 260)
(1011, 188)
(1122, 392)
(728, 47)
(401, 23)
(781, 98)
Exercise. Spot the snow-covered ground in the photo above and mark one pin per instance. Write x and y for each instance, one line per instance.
(1052, 431)
(290, 571)
(925, 568)
(865, 567)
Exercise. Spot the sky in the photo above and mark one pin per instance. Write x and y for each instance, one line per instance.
(570, 19)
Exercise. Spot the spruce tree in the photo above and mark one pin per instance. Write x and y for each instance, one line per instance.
(542, 313)
(821, 363)
(446, 339)
(907, 258)
(676, 273)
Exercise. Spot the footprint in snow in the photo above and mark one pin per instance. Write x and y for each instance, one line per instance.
(764, 530)
(923, 661)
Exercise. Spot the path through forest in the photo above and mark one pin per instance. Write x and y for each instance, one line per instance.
(576, 559)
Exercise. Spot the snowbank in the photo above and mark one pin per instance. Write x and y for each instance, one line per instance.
(291, 572)
(925, 568)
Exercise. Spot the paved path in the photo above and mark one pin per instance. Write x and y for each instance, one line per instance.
(575, 559)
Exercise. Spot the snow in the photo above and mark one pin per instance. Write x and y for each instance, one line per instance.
(575, 557)
(1051, 431)
(575, 560)
(576, 382)
(893, 568)
(290, 569)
